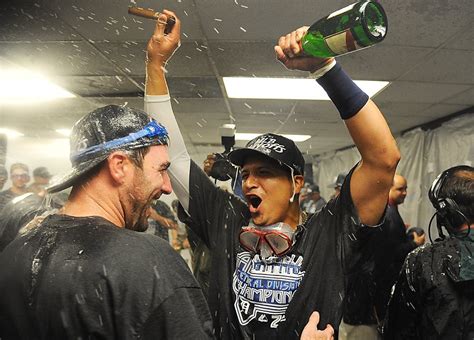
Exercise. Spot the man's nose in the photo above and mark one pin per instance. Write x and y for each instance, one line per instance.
(250, 182)
(166, 188)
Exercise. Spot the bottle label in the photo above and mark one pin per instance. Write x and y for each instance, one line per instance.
(342, 10)
(342, 42)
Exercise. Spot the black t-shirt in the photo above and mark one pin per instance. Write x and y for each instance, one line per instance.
(83, 277)
(250, 298)
(5, 197)
(16, 214)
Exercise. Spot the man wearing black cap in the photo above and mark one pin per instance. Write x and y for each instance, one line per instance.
(311, 200)
(271, 266)
(86, 273)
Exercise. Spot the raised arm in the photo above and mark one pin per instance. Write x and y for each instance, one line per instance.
(160, 48)
(372, 179)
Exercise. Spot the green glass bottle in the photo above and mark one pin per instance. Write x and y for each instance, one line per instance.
(351, 28)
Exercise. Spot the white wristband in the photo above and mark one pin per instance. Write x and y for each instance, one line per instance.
(323, 70)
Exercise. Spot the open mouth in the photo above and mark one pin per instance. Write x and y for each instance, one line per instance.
(254, 200)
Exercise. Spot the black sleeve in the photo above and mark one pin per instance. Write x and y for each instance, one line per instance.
(402, 318)
(211, 209)
(180, 317)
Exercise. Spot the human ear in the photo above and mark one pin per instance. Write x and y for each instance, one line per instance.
(299, 182)
(119, 166)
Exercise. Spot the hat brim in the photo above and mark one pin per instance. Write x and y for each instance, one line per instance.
(74, 174)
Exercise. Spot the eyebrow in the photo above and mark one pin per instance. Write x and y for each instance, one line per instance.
(165, 166)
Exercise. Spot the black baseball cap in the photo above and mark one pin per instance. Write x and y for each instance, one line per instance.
(42, 172)
(104, 130)
(276, 147)
(312, 188)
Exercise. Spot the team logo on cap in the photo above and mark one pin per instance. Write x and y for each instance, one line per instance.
(266, 144)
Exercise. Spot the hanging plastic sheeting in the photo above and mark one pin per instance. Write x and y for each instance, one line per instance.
(425, 154)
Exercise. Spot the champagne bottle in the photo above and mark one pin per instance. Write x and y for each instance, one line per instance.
(351, 28)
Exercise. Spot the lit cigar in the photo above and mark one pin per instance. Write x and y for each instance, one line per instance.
(151, 14)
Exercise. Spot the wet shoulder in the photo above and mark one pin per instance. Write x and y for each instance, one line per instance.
(97, 246)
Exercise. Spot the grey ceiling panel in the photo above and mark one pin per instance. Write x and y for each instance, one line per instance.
(198, 105)
(249, 59)
(32, 22)
(415, 92)
(427, 24)
(260, 20)
(189, 60)
(194, 87)
(104, 20)
(97, 85)
(466, 98)
(401, 110)
(446, 67)
(270, 107)
(63, 58)
(441, 110)
(128, 55)
(382, 62)
(464, 40)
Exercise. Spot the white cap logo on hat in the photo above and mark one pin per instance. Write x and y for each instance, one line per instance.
(266, 144)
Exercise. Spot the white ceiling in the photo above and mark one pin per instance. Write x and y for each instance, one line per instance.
(96, 50)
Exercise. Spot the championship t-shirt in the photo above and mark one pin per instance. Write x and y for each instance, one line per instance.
(254, 298)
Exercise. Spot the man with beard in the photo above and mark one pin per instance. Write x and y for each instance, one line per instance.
(87, 272)
(272, 266)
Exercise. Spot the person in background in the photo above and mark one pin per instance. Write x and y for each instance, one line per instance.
(41, 178)
(337, 184)
(392, 246)
(3, 176)
(311, 200)
(20, 211)
(366, 312)
(161, 220)
(434, 295)
(20, 176)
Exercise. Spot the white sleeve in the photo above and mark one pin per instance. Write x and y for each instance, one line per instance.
(159, 107)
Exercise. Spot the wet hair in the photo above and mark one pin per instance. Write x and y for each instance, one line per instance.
(460, 188)
(138, 155)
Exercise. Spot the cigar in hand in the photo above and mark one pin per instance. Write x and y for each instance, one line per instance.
(151, 14)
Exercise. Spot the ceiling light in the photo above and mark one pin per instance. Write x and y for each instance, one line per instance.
(249, 136)
(288, 88)
(19, 86)
(64, 132)
(10, 133)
